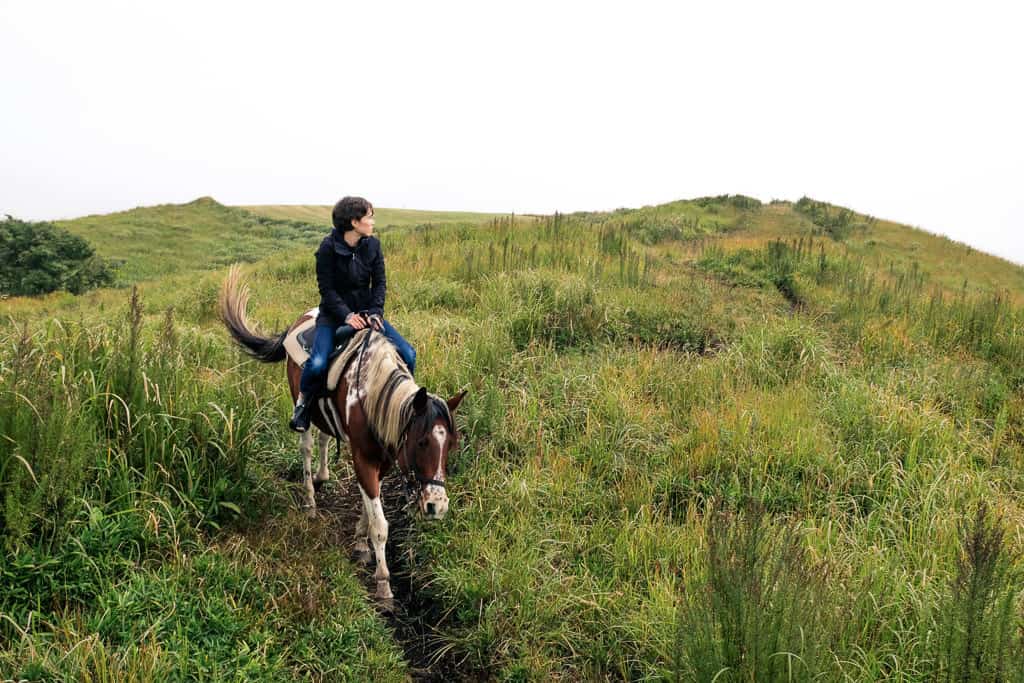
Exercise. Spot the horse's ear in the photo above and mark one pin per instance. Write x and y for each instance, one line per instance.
(419, 402)
(454, 402)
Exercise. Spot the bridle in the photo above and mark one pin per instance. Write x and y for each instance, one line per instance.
(411, 475)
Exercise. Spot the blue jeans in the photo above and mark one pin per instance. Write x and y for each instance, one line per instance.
(405, 349)
(323, 344)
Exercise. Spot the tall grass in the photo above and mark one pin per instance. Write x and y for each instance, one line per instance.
(125, 444)
(764, 611)
(699, 441)
(983, 640)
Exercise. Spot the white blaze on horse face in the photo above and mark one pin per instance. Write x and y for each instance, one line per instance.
(433, 498)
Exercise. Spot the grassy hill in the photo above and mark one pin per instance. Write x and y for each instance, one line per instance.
(154, 242)
(705, 438)
(386, 218)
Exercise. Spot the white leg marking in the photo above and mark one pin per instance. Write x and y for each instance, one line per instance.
(323, 442)
(362, 547)
(306, 448)
(379, 537)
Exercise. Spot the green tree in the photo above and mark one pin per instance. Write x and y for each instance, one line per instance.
(36, 258)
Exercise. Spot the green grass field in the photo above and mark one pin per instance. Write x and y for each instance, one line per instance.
(386, 218)
(708, 440)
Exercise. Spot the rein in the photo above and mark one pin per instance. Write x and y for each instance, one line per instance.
(410, 475)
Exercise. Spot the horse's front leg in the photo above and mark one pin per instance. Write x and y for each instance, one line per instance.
(323, 474)
(306, 448)
(379, 537)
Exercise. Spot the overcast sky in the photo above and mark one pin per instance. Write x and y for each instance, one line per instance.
(910, 112)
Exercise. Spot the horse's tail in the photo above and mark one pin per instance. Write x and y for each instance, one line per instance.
(234, 297)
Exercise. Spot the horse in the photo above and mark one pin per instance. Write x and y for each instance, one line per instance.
(377, 407)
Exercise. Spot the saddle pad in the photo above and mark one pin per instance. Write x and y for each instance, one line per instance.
(293, 345)
(379, 349)
(337, 366)
(299, 341)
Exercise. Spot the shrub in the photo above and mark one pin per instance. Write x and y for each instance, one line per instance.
(36, 258)
(838, 224)
(739, 201)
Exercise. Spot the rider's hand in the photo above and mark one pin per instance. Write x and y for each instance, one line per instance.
(376, 322)
(356, 321)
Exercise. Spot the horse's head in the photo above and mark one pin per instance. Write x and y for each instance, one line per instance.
(430, 436)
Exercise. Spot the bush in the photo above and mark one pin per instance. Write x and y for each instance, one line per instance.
(739, 201)
(838, 224)
(36, 258)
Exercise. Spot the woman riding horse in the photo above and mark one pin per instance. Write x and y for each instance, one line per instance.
(352, 282)
(387, 419)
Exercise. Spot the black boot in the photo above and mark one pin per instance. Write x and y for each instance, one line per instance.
(300, 417)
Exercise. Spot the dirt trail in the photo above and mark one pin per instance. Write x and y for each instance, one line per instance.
(414, 617)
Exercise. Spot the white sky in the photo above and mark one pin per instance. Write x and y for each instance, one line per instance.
(910, 112)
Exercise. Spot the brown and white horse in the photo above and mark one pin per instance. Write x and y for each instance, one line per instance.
(376, 406)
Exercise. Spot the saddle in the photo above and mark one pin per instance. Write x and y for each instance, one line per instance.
(299, 342)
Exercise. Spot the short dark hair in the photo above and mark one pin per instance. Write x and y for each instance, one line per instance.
(347, 209)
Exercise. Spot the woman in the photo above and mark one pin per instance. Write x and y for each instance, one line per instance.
(352, 283)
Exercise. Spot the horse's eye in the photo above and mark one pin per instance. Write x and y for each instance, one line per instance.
(422, 443)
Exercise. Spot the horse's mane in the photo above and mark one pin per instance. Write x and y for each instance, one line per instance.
(387, 388)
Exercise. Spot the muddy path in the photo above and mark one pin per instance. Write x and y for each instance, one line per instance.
(417, 620)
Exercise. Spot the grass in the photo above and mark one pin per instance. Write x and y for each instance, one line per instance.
(129, 449)
(386, 218)
(702, 439)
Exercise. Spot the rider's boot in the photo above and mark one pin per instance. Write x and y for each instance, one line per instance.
(300, 416)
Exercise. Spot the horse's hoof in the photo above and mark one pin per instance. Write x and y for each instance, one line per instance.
(309, 511)
(384, 590)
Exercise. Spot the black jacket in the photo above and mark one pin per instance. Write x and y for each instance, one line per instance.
(351, 280)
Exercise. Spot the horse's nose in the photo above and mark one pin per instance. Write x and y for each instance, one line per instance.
(431, 509)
